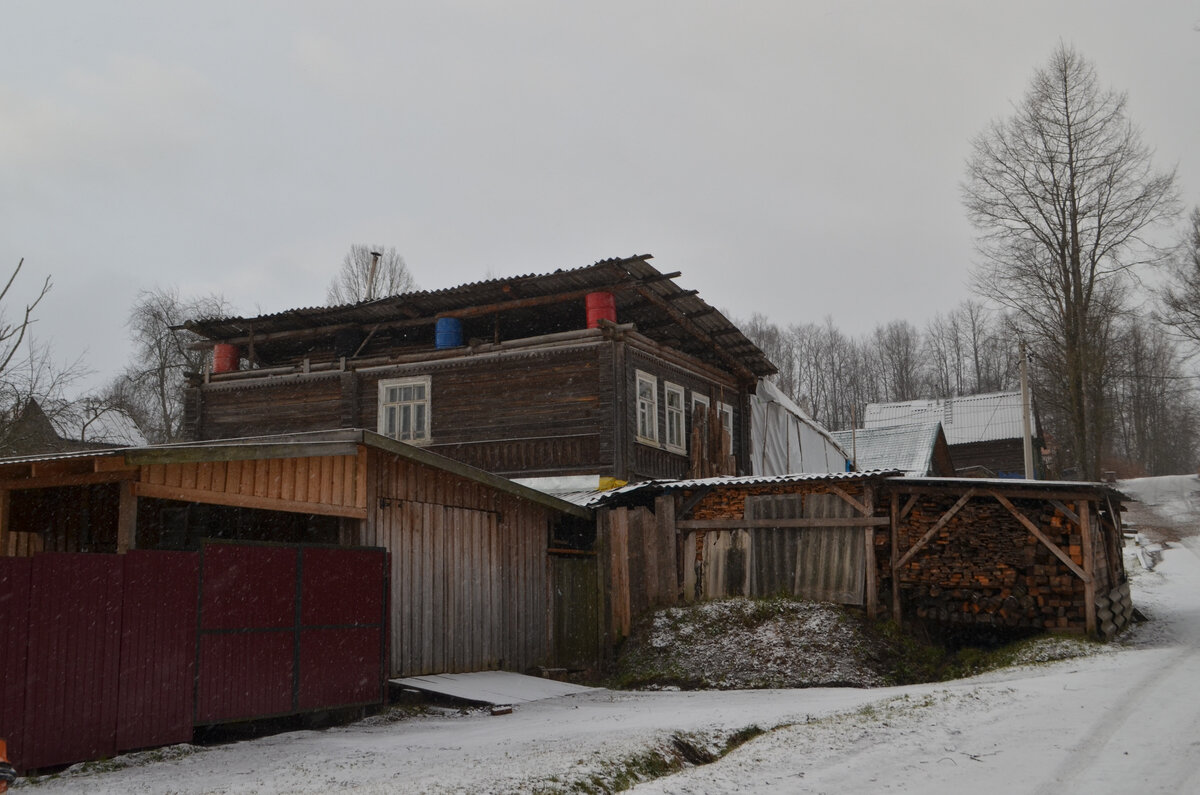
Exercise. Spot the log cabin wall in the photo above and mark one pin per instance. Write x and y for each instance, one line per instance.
(263, 406)
(645, 461)
(996, 457)
(470, 570)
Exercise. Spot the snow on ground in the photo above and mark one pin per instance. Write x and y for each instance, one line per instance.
(1126, 720)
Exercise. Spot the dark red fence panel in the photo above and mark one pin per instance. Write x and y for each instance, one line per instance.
(15, 576)
(74, 654)
(247, 632)
(343, 639)
(158, 649)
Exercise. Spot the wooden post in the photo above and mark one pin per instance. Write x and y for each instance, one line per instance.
(1089, 562)
(4, 522)
(869, 557)
(126, 518)
(896, 558)
(664, 537)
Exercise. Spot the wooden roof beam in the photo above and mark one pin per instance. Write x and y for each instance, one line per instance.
(682, 319)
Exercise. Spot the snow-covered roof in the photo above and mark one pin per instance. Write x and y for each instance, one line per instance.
(967, 419)
(908, 448)
(110, 426)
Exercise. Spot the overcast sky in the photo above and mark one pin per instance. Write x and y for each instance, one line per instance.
(799, 159)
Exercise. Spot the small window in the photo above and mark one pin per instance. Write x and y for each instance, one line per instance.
(675, 421)
(404, 409)
(725, 412)
(647, 408)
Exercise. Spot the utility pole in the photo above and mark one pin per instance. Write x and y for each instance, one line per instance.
(1027, 435)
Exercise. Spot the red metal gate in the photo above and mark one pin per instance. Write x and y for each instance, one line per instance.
(107, 653)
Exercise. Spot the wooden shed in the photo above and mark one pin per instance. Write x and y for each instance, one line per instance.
(470, 552)
(955, 552)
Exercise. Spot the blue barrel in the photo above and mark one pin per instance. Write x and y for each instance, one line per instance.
(448, 333)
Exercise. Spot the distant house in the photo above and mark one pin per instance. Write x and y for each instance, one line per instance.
(984, 431)
(915, 450)
(586, 374)
(34, 431)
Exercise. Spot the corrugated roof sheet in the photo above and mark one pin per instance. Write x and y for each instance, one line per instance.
(111, 426)
(658, 317)
(908, 448)
(652, 486)
(967, 419)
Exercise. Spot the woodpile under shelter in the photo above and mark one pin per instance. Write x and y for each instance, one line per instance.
(951, 552)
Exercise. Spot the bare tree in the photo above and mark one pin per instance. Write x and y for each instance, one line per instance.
(1061, 193)
(12, 333)
(151, 388)
(370, 272)
(1181, 295)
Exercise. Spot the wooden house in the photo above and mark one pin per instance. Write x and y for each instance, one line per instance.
(597, 372)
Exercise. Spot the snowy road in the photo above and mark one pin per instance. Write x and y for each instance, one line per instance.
(1127, 719)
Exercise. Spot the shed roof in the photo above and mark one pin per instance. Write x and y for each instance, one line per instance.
(650, 487)
(908, 448)
(515, 306)
(315, 444)
(965, 419)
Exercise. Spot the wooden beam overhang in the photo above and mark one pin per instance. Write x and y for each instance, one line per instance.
(249, 451)
(736, 366)
(757, 524)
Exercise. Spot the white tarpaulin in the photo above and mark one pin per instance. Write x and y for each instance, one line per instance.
(785, 440)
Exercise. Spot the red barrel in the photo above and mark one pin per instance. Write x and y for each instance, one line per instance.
(225, 358)
(601, 306)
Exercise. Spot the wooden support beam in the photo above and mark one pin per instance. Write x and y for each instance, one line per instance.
(755, 524)
(872, 573)
(895, 522)
(664, 539)
(244, 501)
(535, 301)
(1089, 567)
(855, 504)
(694, 500)
(679, 317)
(126, 518)
(1040, 536)
(58, 481)
(4, 522)
(1065, 511)
(933, 531)
(908, 506)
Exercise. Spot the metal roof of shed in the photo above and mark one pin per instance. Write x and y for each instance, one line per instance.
(965, 420)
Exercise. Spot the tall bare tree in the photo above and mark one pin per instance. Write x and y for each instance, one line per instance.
(12, 332)
(151, 388)
(370, 272)
(1061, 193)
(1181, 295)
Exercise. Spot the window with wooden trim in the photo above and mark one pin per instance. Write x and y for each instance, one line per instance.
(647, 408)
(676, 439)
(404, 409)
(725, 412)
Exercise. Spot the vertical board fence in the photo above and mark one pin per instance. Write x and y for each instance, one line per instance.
(108, 653)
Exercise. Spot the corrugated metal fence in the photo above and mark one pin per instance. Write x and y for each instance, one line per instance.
(107, 653)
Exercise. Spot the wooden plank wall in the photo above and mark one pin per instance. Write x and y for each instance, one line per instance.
(638, 550)
(327, 485)
(267, 406)
(469, 571)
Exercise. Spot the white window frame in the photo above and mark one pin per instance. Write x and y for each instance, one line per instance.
(418, 406)
(725, 412)
(647, 409)
(676, 431)
(699, 400)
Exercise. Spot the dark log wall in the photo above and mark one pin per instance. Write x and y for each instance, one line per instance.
(535, 412)
(646, 461)
(281, 404)
(1002, 456)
